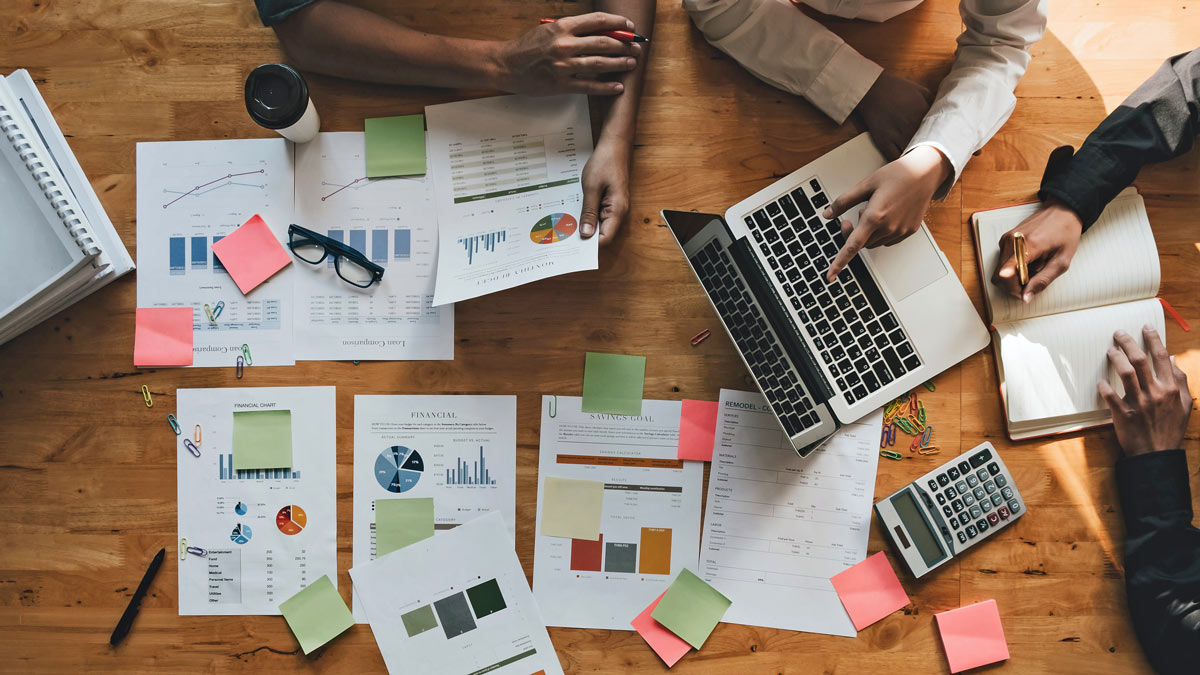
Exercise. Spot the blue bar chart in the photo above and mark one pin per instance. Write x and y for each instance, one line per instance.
(489, 241)
(379, 246)
(358, 241)
(227, 472)
(199, 253)
(402, 245)
(474, 474)
(178, 256)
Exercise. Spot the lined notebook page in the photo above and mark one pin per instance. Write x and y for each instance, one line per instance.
(1117, 261)
(1052, 364)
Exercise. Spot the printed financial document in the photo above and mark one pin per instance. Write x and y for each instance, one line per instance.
(650, 522)
(508, 193)
(778, 526)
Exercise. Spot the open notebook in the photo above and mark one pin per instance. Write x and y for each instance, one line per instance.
(1051, 352)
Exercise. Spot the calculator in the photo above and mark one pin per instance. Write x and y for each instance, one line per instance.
(950, 509)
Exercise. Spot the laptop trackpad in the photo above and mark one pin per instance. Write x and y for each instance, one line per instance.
(908, 266)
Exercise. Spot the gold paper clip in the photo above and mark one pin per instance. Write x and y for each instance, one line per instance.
(146, 396)
(218, 309)
(183, 547)
(196, 435)
(174, 424)
(930, 385)
(930, 450)
(240, 361)
(917, 425)
(246, 353)
(191, 447)
(209, 313)
(891, 454)
(700, 337)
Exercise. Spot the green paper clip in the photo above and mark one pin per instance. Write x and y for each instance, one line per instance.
(246, 354)
(904, 424)
(930, 385)
(921, 413)
(891, 454)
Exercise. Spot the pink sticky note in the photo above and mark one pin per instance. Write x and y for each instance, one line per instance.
(669, 646)
(972, 635)
(869, 591)
(162, 336)
(251, 254)
(697, 428)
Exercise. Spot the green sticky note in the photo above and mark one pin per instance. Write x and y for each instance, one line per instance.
(612, 383)
(691, 608)
(262, 439)
(572, 508)
(395, 146)
(400, 522)
(317, 614)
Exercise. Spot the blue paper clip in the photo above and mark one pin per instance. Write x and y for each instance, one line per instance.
(196, 550)
(217, 310)
(187, 443)
(239, 367)
(174, 424)
(246, 353)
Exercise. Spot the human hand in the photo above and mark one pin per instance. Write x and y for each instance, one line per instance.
(892, 110)
(1153, 415)
(606, 189)
(561, 57)
(1051, 237)
(897, 195)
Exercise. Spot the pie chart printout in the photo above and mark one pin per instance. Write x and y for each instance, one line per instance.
(553, 228)
(291, 519)
(241, 534)
(399, 468)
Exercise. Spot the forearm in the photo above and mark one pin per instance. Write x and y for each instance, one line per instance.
(620, 119)
(344, 41)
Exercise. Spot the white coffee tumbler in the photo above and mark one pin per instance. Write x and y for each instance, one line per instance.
(277, 98)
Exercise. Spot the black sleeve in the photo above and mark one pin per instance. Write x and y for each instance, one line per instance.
(1157, 122)
(273, 12)
(1162, 559)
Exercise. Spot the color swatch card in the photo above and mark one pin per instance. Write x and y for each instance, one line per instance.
(456, 604)
(612, 383)
(649, 520)
(162, 337)
(262, 439)
(251, 254)
(973, 635)
(440, 460)
(317, 614)
(669, 646)
(870, 590)
(691, 608)
(395, 146)
(270, 532)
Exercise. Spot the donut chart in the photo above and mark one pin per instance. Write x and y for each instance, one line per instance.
(553, 228)
(398, 468)
(291, 519)
(241, 534)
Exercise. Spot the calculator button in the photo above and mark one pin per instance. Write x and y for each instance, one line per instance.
(933, 485)
(953, 473)
(964, 468)
(979, 493)
(958, 505)
(943, 480)
(1003, 512)
(982, 474)
(997, 500)
(985, 505)
(964, 518)
(993, 518)
(993, 468)
(972, 480)
(982, 525)
(961, 486)
(1001, 481)
(972, 532)
(951, 493)
(1007, 492)
(968, 499)
(980, 458)
(976, 512)
(954, 523)
(941, 498)
(1014, 505)
(946, 510)
(990, 487)
(962, 538)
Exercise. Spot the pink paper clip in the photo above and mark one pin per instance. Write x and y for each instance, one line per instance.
(700, 337)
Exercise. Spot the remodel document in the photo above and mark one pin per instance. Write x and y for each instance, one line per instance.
(456, 605)
(191, 194)
(268, 532)
(650, 521)
(459, 450)
(776, 526)
(507, 183)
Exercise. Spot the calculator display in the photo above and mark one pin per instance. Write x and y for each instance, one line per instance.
(918, 528)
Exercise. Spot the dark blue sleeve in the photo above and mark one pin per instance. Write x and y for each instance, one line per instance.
(274, 12)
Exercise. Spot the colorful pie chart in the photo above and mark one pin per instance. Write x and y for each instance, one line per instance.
(291, 519)
(553, 228)
(241, 534)
(399, 468)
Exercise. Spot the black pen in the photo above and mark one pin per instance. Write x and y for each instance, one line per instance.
(135, 602)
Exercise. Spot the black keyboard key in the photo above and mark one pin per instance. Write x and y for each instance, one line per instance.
(823, 326)
(829, 249)
(802, 203)
(773, 209)
(897, 337)
(789, 207)
(796, 304)
(843, 302)
(893, 362)
(861, 365)
(859, 329)
(793, 274)
(854, 351)
(839, 326)
(795, 248)
(888, 321)
(904, 349)
(943, 480)
(881, 341)
(871, 381)
(820, 200)
(882, 373)
(953, 473)
(912, 362)
(860, 392)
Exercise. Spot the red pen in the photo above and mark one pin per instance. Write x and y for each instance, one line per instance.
(622, 35)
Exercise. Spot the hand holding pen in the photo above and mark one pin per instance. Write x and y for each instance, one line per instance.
(568, 55)
(1047, 243)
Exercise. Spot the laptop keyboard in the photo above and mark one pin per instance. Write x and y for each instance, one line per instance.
(758, 343)
(849, 321)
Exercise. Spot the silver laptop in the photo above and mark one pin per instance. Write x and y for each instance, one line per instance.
(825, 353)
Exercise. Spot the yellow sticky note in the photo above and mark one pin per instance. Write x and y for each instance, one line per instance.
(572, 508)
(400, 522)
(262, 439)
(317, 614)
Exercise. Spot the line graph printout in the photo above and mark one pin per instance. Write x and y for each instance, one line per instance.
(393, 222)
(778, 526)
(190, 195)
(502, 166)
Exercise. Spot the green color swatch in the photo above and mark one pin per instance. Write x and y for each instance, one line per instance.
(317, 614)
(395, 146)
(262, 439)
(400, 522)
(691, 608)
(486, 598)
(419, 620)
(612, 383)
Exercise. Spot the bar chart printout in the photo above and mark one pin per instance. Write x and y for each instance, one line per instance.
(650, 513)
(475, 474)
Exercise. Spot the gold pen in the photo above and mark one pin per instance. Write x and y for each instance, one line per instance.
(1019, 252)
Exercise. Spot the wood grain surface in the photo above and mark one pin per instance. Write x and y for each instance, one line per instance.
(87, 473)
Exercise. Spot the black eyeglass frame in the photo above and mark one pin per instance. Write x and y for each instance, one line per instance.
(338, 250)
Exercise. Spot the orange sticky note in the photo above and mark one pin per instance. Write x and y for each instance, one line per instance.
(162, 336)
(251, 254)
(669, 646)
(869, 591)
(697, 428)
(972, 635)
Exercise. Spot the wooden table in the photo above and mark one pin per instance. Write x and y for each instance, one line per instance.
(87, 477)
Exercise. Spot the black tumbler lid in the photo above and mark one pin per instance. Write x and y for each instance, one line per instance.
(276, 96)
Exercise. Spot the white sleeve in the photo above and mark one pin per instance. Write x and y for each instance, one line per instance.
(976, 98)
(783, 47)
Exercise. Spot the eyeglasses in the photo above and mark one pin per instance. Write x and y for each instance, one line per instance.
(351, 265)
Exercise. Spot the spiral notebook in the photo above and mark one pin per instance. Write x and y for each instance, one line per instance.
(60, 245)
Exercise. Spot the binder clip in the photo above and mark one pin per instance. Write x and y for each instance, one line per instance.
(146, 396)
(191, 447)
(700, 337)
(240, 361)
(246, 354)
(174, 424)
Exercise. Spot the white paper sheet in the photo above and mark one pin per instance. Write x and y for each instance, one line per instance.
(507, 180)
(269, 533)
(651, 513)
(776, 526)
(393, 221)
(459, 450)
(433, 606)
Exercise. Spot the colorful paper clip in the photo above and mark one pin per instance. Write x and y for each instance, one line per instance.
(931, 450)
(700, 337)
(191, 447)
(354, 362)
(174, 424)
(183, 547)
(930, 385)
(921, 413)
(891, 454)
(146, 396)
(196, 435)
(927, 436)
(915, 445)
(196, 550)
(552, 409)
(912, 403)
(218, 309)
(209, 313)
(246, 353)
(239, 367)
